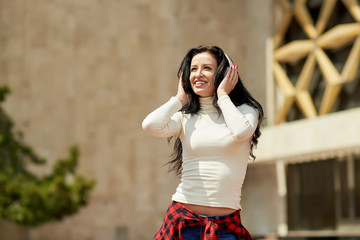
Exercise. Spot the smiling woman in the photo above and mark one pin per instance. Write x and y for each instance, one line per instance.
(203, 69)
(216, 123)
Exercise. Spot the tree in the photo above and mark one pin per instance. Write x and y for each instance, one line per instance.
(26, 198)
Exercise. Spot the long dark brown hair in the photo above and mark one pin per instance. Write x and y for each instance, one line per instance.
(239, 95)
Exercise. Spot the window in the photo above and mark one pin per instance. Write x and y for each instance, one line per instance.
(357, 187)
(350, 190)
(311, 197)
(323, 195)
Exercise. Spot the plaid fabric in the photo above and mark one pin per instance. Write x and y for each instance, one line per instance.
(178, 216)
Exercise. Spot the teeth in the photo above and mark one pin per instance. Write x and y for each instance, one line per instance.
(200, 82)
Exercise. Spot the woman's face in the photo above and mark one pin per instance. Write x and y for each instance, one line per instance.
(202, 71)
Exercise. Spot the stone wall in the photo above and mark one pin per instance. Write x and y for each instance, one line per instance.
(88, 72)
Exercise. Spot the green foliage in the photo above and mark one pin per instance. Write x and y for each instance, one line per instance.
(26, 198)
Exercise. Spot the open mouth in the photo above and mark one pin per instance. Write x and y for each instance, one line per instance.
(200, 83)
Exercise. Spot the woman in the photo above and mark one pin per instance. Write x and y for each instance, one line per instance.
(216, 123)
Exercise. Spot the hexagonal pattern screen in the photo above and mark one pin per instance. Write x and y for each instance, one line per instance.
(316, 57)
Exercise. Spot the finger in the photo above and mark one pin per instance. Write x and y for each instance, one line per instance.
(236, 75)
(234, 80)
(228, 72)
(231, 72)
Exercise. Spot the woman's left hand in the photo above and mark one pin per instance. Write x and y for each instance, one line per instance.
(229, 82)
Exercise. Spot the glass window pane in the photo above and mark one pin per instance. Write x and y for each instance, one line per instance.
(357, 186)
(293, 197)
(344, 189)
(311, 195)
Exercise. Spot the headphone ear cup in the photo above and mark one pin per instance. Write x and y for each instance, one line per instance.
(225, 72)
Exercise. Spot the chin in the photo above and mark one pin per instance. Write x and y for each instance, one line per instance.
(203, 95)
(202, 92)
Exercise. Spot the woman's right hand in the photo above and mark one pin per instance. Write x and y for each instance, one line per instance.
(181, 94)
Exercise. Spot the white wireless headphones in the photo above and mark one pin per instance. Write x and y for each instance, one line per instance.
(229, 60)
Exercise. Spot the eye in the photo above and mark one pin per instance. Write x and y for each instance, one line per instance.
(193, 69)
(207, 67)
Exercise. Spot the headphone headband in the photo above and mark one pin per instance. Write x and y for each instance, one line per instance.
(229, 60)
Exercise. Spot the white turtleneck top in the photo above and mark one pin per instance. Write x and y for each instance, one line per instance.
(215, 146)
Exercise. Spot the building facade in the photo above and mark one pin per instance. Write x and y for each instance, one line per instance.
(310, 148)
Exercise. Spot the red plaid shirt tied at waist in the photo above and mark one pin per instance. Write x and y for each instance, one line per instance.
(178, 216)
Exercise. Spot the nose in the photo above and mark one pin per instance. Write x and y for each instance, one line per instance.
(198, 73)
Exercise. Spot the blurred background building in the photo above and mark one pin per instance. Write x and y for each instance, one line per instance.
(89, 71)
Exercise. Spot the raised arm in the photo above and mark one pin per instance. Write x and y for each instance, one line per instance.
(166, 120)
(241, 120)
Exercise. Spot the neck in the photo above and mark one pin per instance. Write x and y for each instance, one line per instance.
(206, 105)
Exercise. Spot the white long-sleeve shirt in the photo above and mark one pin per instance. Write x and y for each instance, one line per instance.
(215, 148)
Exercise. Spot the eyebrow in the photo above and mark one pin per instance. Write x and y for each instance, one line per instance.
(206, 64)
